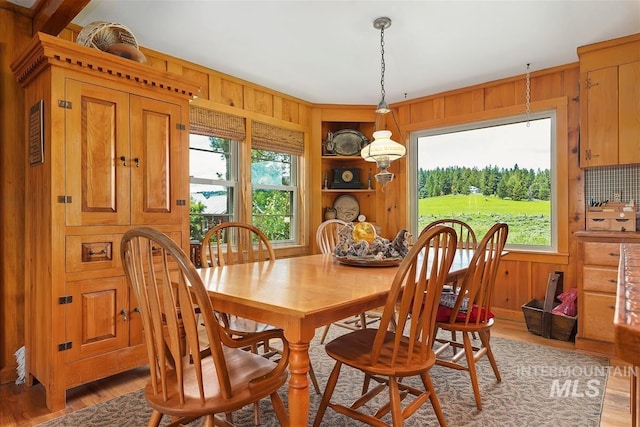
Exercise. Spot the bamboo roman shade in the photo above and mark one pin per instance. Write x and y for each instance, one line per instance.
(273, 138)
(214, 123)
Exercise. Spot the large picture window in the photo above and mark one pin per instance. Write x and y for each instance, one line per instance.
(482, 173)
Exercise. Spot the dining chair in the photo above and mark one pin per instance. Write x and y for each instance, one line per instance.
(468, 311)
(386, 356)
(466, 240)
(327, 238)
(184, 383)
(466, 236)
(230, 243)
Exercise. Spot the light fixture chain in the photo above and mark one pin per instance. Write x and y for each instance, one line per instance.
(528, 96)
(382, 64)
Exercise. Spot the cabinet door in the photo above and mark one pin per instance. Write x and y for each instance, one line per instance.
(95, 321)
(598, 316)
(156, 153)
(600, 144)
(629, 121)
(96, 136)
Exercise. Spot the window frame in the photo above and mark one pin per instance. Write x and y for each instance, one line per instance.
(295, 191)
(558, 126)
(233, 183)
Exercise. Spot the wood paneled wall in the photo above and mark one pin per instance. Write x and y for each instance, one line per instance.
(15, 34)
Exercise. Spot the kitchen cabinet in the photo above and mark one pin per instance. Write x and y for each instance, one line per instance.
(106, 146)
(610, 102)
(598, 261)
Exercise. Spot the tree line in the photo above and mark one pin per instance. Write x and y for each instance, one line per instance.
(514, 183)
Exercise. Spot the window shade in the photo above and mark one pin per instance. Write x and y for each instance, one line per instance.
(214, 123)
(273, 138)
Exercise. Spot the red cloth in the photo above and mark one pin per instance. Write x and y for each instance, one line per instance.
(568, 305)
(444, 314)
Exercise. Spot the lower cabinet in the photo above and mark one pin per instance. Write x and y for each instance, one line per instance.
(598, 260)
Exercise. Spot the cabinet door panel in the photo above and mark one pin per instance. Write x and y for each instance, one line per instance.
(602, 117)
(157, 146)
(629, 75)
(96, 180)
(598, 323)
(94, 320)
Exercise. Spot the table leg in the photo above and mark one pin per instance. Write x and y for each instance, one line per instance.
(299, 384)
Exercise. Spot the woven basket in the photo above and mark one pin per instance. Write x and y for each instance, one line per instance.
(101, 35)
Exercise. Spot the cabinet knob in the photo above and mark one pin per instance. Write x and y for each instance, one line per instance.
(123, 159)
(123, 312)
(137, 160)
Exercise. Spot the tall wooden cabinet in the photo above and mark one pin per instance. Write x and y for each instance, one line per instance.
(610, 102)
(106, 150)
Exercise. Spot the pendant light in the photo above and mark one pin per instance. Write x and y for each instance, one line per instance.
(383, 150)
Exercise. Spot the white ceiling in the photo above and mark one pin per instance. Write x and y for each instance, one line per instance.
(329, 52)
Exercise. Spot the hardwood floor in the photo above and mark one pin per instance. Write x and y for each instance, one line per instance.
(24, 406)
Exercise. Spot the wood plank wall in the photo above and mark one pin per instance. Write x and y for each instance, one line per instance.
(524, 275)
(15, 34)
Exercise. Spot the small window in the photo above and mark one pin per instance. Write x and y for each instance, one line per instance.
(275, 191)
(482, 173)
(213, 172)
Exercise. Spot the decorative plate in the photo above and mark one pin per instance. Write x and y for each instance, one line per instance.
(347, 208)
(348, 142)
(368, 261)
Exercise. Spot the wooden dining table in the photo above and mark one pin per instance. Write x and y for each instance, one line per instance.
(299, 295)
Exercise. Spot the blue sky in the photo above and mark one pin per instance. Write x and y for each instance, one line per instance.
(501, 146)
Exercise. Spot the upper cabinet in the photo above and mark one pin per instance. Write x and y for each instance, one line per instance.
(610, 102)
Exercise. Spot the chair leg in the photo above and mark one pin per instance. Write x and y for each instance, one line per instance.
(328, 392)
(485, 338)
(279, 409)
(365, 383)
(363, 321)
(428, 385)
(324, 333)
(314, 380)
(155, 418)
(471, 363)
(209, 421)
(256, 414)
(394, 400)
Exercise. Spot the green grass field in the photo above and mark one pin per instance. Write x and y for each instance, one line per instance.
(529, 221)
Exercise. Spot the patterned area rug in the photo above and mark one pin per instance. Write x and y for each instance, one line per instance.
(540, 386)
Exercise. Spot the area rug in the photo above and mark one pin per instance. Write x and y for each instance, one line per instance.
(540, 386)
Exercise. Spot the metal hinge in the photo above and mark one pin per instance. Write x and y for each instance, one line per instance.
(64, 199)
(180, 126)
(65, 346)
(67, 299)
(64, 104)
(181, 202)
